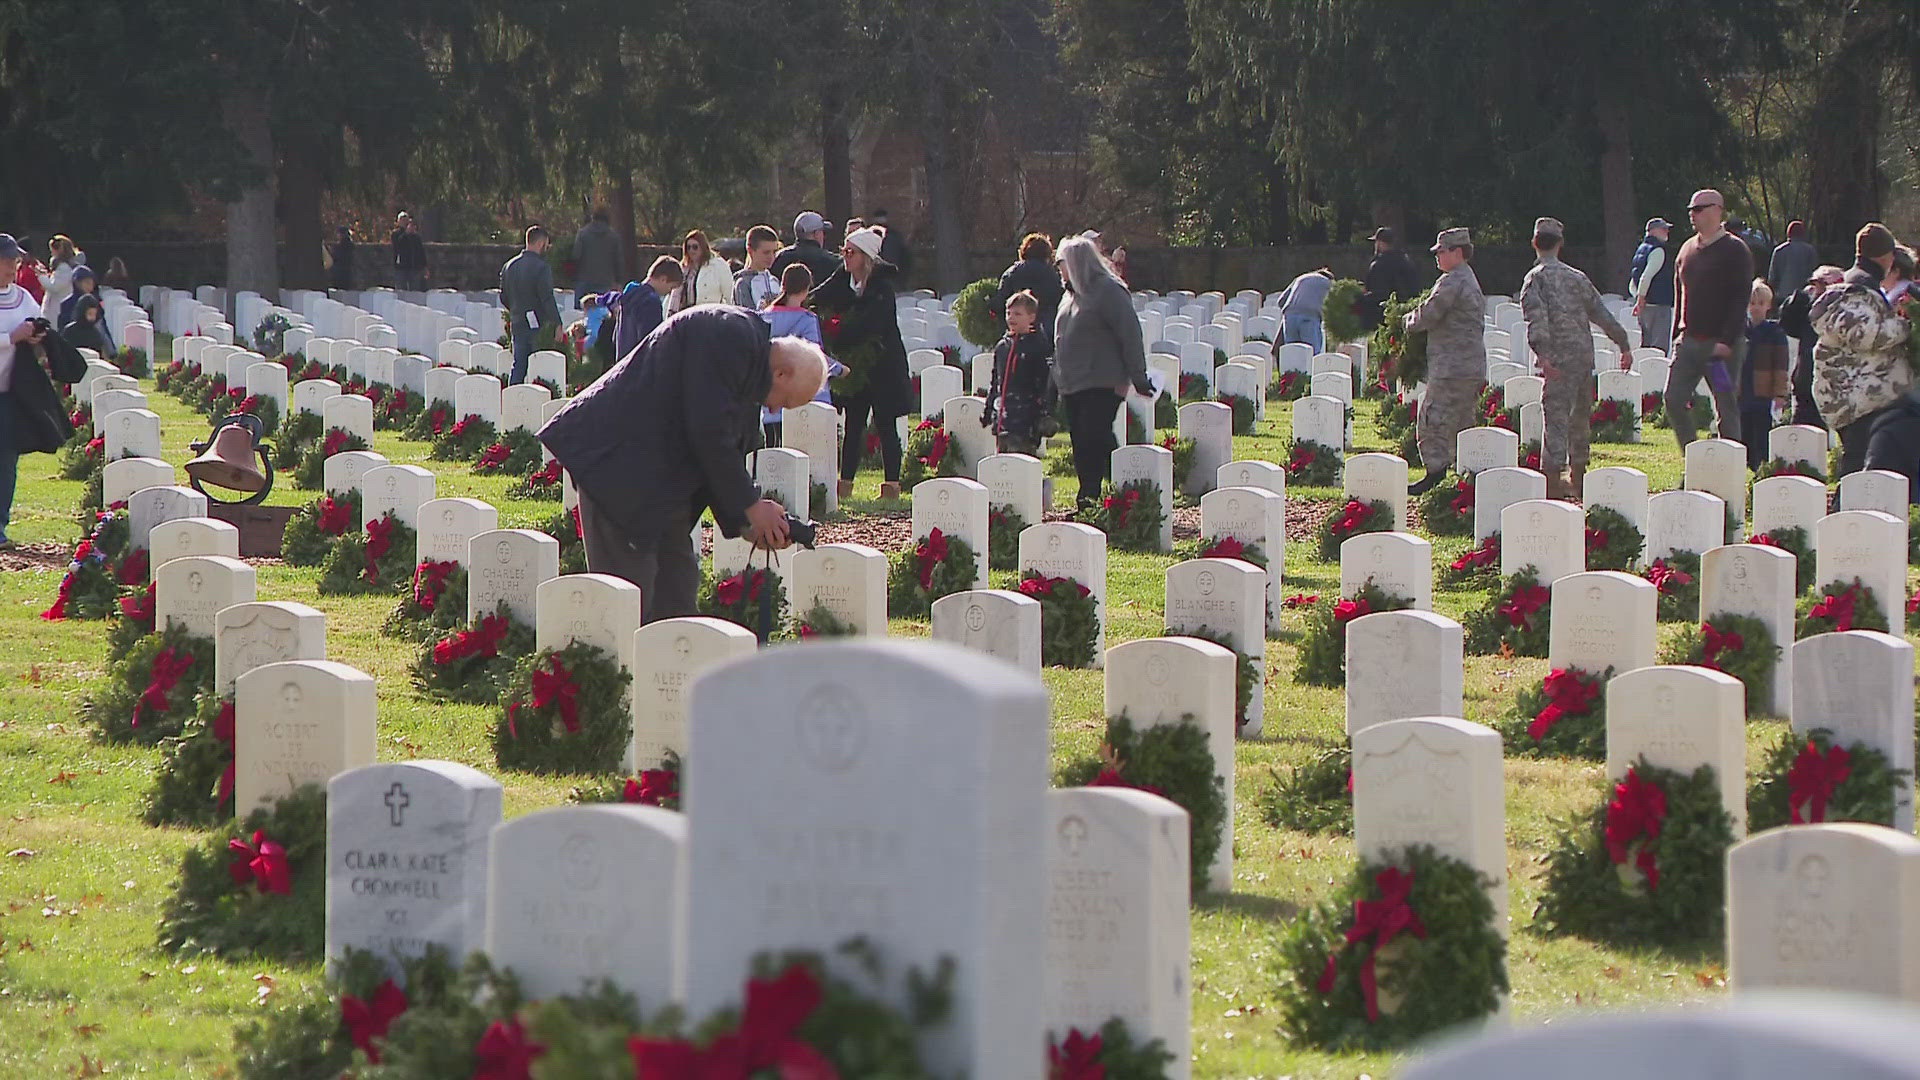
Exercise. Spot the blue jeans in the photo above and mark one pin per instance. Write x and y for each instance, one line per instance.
(522, 349)
(1302, 328)
(9, 462)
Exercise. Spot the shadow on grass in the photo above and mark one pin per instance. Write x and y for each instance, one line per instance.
(1259, 907)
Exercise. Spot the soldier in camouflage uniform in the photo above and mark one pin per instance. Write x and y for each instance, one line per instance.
(1558, 302)
(1454, 318)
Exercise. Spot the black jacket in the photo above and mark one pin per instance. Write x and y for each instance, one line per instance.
(1038, 277)
(409, 252)
(668, 430)
(864, 317)
(817, 259)
(1389, 274)
(893, 249)
(40, 418)
(1022, 383)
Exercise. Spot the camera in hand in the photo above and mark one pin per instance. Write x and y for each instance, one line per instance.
(801, 532)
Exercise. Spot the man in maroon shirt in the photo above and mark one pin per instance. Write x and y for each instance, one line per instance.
(1714, 275)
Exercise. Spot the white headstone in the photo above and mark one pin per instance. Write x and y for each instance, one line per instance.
(1523, 390)
(1875, 489)
(1681, 718)
(786, 476)
(150, 506)
(1684, 521)
(508, 566)
(1620, 489)
(1859, 686)
(1547, 535)
(1800, 443)
(958, 508)
(347, 470)
(1436, 781)
(250, 635)
(938, 383)
(1182, 680)
(1014, 481)
(1210, 425)
(848, 580)
(1602, 619)
(1533, 424)
(1223, 598)
(1254, 474)
(1378, 478)
(998, 622)
(1788, 502)
(1321, 420)
(814, 430)
(445, 527)
(312, 395)
(351, 413)
(477, 395)
(1252, 516)
(190, 591)
(599, 610)
(667, 655)
(1477, 449)
(1398, 563)
(1383, 647)
(1070, 550)
(1719, 467)
(131, 433)
(1151, 463)
(1868, 545)
(1496, 489)
(1825, 907)
(521, 407)
(1757, 582)
(298, 722)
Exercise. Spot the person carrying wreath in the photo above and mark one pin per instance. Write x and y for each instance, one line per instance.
(862, 331)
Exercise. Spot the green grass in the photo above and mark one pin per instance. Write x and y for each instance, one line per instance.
(82, 985)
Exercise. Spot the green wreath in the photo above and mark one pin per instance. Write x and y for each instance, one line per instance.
(1004, 526)
(1613, 542)
(1774, 466)
(1613, 421)
(1220, 547)
(1312, 464)
(1866, 786)
(435, 602)
(1322, 659)
(646, 787)
(92, 496)
(930, 452)
(565, 528)
(517, 453)
(163, 377)
(566, 712)
(84, 453)
(1564, 715)
(1194, 386)
(430, 422)
(1287, 386)
(1166, 411)
(131, 623)
(1793, 540)
(1357, 518)
(1184, 451)
(1069, 619)
(1587, 894)
(1342, 312)
(737, 597)
(132, 360)
(397, 410)
(1449, 968)
(465, 440)
(299, 434)
(1397, 351)
(1840, 606)
(278, 911)
(1315, 797)
(1132, 515)
(1739, 645)
(1514, 620)
(1244, 412)
(472, 665)
(149, 693)
(1110, 1053)
(1493, 409)
(821, 622)
(1447, 508)
(193, 786)
(973, 313)
(266, 409)
(311, 473)
(1699, 406)
(1677, 577)
(308, 538)
(1246, 670)
(1172, 761)
(1398, 419)
(351, 568)
(951, 570)
(1137, 429)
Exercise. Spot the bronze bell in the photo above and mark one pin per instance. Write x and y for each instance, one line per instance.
(229, 462)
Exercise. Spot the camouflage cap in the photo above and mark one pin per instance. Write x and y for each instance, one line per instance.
(1452, 238)
(1550, 228)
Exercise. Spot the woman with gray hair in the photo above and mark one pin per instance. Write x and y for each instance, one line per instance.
(1098, 353)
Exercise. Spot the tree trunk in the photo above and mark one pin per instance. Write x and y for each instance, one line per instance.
(836, 159)
(1279, 205)
(300, 190)
(1843, 182)
(943, 189)
(1621, 231)
(252, 262)
(622, 214)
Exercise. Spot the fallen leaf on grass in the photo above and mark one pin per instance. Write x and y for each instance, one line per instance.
(90, 1067)
(63, 777)
(88, 1031)
(31, 675)
(1712, 978)
(22, 853)
(147, 976)
(1610, 972)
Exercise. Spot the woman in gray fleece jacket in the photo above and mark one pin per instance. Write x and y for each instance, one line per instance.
(1098, 353)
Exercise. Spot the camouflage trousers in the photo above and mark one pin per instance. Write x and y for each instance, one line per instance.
(1447, 410)
(1566, 406)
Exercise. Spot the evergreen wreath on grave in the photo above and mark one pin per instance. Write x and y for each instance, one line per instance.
(300, 369)
(565, 711)
(565, 527)
(1356, 518)
(1840, 606)
(312, 530)
(1739, 645)
(379, 559)
(472, 664)
(1244, 412)
(1494, 411)
(1677, 577)
(937, 565)
(1219, 356)
(101, 565)
(1069, 619)
(1131, 515)
(93, 495)
(83, 451)
(1810, 780)
(191, 385)
(213, 397)
(299, 434)
(1223, 547)
(821, 622)
(464, 441)
(311, 472)
(1613, 421)
(1004, 526)
(1166, 411)
(929, 453)
(1312, 464)
(737, 598)
(194, 785)
(1322, 660)
(1408, 947)
(1793, 540)
(646, 787)
(270, 337)
(148, 694)
(1775, 466)
(1400, 353)
(1195, 386)
(1287, 386)
(1913, 519)
(1399, 419)
(543, 484)
(1565, 715)
(1514, 620)
(1613, 542)
(517, 453)
(1108, 1054)
(131, 623)
(267, 409)
(255, 891)
(973, 313)
(1654, 407)
(1343, 312)
(1530, 456)
(1646, 865)
(429, 423)
(1169, 760)
(1447, 509)
(163, 377)
(1246, 670)
(132, 360)
(1137, 430)
(435, 603)
(1184, 452)
(1314, 797)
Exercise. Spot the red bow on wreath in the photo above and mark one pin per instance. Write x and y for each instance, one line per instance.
(1352, 516)
(137, 607)
(1567, 695)
(1381, 920)
(505, 1052)
(1837, 607)
(492, 457)
(336, 440)
(1525, 601)
(483, 641)
(133, 567)
(96, 446)
(1812, 780)
(1348, 610)
(438, 421)
(1300, 600)
(168, 669)
(1607, 411)
(430, 582)
(1125, 502)
(1042, 587)
(1764, 540)
(577, 531)
(262, 862)
(1225, 548)
(937, 452)
(1487, 554)
(1596, 540)
(1716, 642)
(223, 731)
(1463, 496)
(548, 475)
(1287, 379)
(369, 1020)
(727, 591)
(1666, 578)
(1077, 1058)
(1635, 815)
(1301, 459)
(766, 1039)
(336, 516)
(1650, 403)
(552, 687)
(654, 787)
(460, 428)
(930, 553)
(379, 542)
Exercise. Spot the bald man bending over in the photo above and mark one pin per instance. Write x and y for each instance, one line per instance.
(664, 435)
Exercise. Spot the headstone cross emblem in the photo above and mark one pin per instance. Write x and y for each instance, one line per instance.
(397, 802)
(1073, 835)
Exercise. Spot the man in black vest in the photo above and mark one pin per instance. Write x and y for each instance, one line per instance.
(1651, 287)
